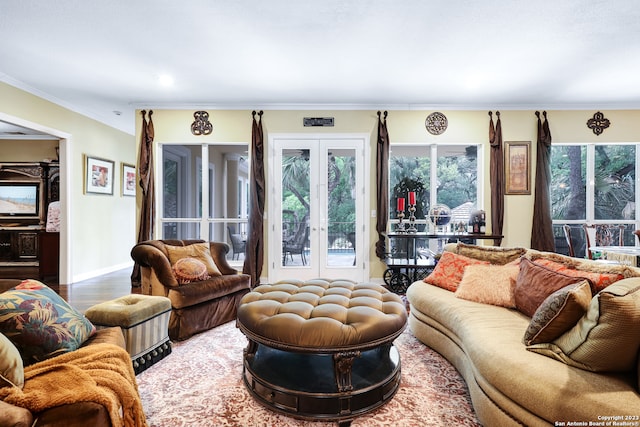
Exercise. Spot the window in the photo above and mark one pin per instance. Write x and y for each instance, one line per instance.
(204, 199)
(594, 184)
(451, 180)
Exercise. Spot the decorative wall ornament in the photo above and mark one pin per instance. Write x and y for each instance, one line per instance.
(598, 123)
(436, 123)
(201, 125)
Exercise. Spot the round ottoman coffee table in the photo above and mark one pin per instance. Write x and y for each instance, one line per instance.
(322, 349)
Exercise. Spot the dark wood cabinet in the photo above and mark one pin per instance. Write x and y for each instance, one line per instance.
(26, 249)
(49, 254)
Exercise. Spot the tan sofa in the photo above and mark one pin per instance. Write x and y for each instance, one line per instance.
(196, 306)
(510, 385)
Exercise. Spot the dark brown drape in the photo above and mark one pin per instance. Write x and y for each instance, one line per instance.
(496, 177)
(382, 186)
(254, 253)
(542, 230)
(145, 172)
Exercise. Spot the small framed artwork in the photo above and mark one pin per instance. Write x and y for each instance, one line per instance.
(98, 175)
(517, 167)
(128, 180)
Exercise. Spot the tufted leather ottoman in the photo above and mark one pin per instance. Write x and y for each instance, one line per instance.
(322, 349)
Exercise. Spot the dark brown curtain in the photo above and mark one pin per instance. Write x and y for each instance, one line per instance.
(254, 253)
(542, 230)
(496, 177)
(145, 172)
(382, 186)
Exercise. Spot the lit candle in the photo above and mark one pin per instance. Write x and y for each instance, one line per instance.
(412, 197)
(401, 204)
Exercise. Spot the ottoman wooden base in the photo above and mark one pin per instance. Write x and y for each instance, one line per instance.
(305, 385)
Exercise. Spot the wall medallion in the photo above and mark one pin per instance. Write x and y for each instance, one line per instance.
(436, 123)
(598, 123)
(201, 125)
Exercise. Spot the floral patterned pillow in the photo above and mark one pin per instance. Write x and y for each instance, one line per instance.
(40, 323)
(448, 272)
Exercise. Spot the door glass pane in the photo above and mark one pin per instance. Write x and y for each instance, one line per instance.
(341, 207)
(614, 189)
(568, 182)
(295, 207)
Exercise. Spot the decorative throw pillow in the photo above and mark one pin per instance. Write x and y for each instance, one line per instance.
(449, 270)
(11, 366)
(199, 251)
(489, 284)
(558, 313)
(493, 254)
(599, 280)
(189, 269)
(40, 323)
(535, 283)
(607, 337)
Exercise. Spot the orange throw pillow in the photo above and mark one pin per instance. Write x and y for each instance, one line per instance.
(449, 270)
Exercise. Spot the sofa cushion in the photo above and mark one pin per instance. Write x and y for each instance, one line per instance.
(587, 265)
(449, 270)
(599, 279)
(558, 313)
(489, 284)
(40, 323)
(199, 251)
(189, 269)
(493, 254)
(11, 366)
(607, 337)
(535, 283)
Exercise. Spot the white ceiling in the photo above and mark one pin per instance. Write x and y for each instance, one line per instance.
(100, 57)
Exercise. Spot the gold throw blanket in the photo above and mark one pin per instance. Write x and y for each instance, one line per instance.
(100, 373)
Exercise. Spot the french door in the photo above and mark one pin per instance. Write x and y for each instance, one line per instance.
(317, 226)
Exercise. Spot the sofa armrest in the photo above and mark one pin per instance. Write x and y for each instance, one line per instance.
(150, 256)
(14, 416)
(219, 251)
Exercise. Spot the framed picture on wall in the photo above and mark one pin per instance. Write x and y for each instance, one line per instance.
(517, 167)
(128, 180)
(98, 175)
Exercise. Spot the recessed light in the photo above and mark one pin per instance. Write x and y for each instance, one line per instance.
(165, 80)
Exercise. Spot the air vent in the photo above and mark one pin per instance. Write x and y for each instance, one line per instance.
(318, 121)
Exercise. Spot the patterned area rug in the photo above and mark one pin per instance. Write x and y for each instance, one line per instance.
(200, 384)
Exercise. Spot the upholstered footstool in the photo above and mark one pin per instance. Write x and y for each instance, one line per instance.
(144, 321)
(322, 349)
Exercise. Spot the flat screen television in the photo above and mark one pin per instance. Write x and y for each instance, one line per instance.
(19, 199)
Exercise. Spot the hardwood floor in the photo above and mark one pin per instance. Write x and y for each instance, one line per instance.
(83, 295)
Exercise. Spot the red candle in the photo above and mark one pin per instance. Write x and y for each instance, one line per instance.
(401, 204)
(412, 197)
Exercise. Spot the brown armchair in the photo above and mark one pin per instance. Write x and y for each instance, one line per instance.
(196, 306)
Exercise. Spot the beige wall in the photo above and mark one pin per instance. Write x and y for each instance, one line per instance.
(27, 150)
(408, 127)
(101, 229)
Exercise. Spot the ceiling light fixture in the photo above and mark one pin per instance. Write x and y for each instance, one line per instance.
(165, 80)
